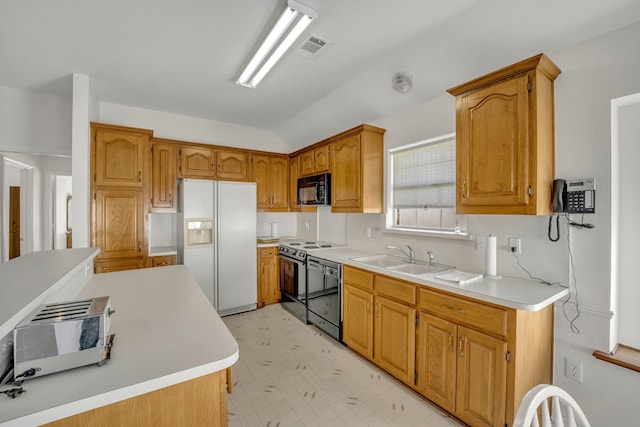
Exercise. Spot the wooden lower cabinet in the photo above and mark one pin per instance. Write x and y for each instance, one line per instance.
(394, 339)
(198, 402)
(111, 265)
(475, 360)
(481, 378)
(162, 260)
(357, 322)
(268, 277)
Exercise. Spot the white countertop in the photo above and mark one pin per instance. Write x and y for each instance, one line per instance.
(29, 280)
(166, 331)
(512, 292)
(162, 250)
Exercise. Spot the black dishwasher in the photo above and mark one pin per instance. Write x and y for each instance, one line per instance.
(324, 289)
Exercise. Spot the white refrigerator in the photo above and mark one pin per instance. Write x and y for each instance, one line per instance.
(217, 241)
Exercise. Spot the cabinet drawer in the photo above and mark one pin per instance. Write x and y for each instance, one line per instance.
(357, 277)
(480, 316)
(267, 252)
(397, 289)
(160, 261)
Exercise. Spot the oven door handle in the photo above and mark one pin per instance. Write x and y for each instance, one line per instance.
(313, 265)
(286, 258)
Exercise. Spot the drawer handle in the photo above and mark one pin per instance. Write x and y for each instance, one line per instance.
(459, 310)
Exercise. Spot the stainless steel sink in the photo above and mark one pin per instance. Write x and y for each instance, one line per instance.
(418, 269)
(401, 265)
(383, 260)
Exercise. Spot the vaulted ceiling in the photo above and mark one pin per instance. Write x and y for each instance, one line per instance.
(183, 56)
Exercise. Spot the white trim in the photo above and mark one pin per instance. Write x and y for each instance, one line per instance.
(429, 233)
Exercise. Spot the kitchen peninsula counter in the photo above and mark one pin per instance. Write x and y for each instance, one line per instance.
(168, 364)
(512, 292)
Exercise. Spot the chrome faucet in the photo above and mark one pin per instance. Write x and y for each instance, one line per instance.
(431, 257)
(411, 256)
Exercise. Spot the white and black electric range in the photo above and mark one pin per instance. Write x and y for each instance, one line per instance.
(310, 287)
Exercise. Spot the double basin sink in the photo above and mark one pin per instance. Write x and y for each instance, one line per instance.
(401, 265)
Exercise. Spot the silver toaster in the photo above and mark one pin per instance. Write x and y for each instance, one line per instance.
(60, 336)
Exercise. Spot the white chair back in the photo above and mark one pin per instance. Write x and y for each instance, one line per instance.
(549, 406)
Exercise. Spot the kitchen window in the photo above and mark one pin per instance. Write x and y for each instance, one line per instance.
(422, 188)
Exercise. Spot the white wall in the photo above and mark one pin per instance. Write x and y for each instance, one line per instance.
(593, 73)
(34, 123)
(191, 129)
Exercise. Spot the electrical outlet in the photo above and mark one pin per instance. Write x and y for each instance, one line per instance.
(481, 243)
(515, 245)
(573, 370)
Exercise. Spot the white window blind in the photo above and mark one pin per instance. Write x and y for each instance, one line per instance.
(424, 176)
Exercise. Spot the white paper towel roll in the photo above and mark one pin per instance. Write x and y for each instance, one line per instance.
(490, 260)
(274, 229)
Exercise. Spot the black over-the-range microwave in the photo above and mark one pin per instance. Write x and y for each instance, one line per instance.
(315, 190)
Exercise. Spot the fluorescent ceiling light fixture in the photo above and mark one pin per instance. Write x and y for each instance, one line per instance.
(294, 20)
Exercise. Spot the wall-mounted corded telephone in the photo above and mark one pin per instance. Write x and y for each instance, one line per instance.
(574, 196)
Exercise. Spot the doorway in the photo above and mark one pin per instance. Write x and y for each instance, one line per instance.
(14, 222)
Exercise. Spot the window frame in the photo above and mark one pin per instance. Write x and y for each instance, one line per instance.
(390, 226)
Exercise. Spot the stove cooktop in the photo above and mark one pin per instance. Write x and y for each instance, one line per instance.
(302, 244)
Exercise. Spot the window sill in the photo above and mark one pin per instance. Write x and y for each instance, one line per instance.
(429, 233)
(622, 355)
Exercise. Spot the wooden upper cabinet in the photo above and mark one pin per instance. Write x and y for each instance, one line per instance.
(119, 223)
(197, 162)
(315, 161)
(232, 165)
(294, 174)
(271, 175)
(357, 169)
(119, 156)
(163, 177)
(505, 140)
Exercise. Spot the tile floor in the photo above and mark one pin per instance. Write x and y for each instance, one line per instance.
(290, 374)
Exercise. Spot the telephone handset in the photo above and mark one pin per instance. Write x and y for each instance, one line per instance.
(574, 196)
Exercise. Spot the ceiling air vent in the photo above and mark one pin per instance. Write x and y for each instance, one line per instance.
(312, 46)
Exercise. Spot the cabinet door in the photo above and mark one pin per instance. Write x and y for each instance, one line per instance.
(307, 163)
(436, 360)
(394, 339)
(268, 288)
(119, 158)
(345, 177)
(294, 174)
(357, 322)
(262, 177)
(280, 183)
(481, 378)
(232, 165)
(321, 159)
(197, 162)
(163, 182)
(119, 223)
(493, 146)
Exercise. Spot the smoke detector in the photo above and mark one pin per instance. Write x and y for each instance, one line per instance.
(402, 82)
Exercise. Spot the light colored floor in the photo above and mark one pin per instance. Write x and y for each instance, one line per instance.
(290, 374)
